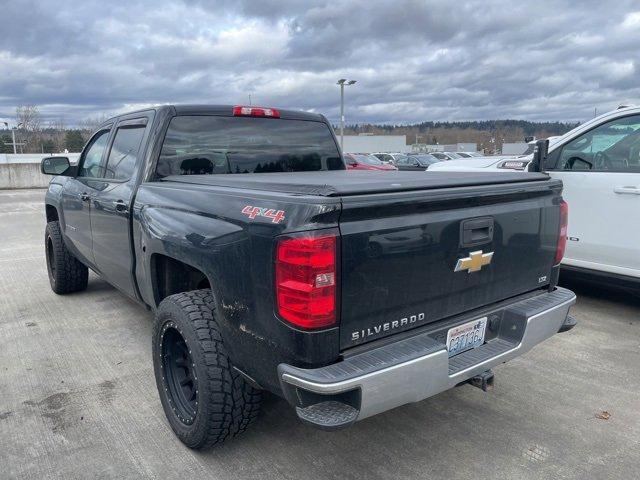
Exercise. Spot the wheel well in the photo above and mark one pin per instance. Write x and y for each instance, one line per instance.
(172, 276)
(52, 213)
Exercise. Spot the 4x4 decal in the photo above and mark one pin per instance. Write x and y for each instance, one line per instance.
(276, 216)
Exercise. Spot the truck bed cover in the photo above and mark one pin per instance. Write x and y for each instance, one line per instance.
(339, 183)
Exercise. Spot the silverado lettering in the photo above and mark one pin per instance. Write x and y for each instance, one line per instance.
(385, 327)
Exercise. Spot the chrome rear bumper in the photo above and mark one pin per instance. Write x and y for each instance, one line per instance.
(419, 367)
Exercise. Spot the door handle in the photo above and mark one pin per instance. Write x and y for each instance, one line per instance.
(121, 206)
(476, 231)
(84, 196)
(628, 189)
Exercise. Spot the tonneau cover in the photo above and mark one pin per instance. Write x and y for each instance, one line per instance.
(339, 183)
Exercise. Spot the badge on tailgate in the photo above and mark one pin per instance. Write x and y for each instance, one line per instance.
(474, 262)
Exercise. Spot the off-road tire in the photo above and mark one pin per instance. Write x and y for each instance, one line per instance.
(66, 273)
(225, 404)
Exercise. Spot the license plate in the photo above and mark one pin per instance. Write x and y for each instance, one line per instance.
(467, 336)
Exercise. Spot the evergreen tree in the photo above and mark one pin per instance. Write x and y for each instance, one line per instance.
(5, 144)
(73, 140)
(48, 146)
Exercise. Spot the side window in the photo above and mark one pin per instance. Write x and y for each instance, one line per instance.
(93, 155)
(402, 161)
(613, 146)
(124, 152)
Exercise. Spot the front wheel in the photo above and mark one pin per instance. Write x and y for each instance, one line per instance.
(67, 274)
(205, 400)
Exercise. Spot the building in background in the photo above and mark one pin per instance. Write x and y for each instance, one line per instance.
(375, 143)
(517, 148)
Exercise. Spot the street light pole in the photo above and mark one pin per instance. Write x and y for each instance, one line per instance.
(342, 116)
(13, 136)
(13, 140)
(342, 82)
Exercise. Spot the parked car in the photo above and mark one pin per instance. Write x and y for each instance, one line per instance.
(365, 161)
(390, 158)
(446, 155)
(599, 165)
(293, 277)
(469, 154)
(416, 161)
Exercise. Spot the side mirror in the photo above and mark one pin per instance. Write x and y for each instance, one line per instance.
(55, 165)
(577, 163)
(539, 156)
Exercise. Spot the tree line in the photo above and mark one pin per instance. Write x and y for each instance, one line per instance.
(489, 135)
(33, 135)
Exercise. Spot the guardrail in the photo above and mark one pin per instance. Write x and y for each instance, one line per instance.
(23, 170)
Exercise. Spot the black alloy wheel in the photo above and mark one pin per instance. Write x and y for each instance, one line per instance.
(179, 375)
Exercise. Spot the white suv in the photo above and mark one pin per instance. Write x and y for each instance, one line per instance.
(599, 164)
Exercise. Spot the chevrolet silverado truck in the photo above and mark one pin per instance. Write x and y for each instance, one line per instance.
(271, 267)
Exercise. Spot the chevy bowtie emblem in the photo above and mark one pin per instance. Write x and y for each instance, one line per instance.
(474, 262)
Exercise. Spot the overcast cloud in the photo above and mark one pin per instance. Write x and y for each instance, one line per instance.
(413, 60)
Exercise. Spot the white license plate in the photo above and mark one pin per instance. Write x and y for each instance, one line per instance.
(467, 336)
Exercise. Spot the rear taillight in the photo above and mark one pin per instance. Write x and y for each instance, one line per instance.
(240, 111)
(562, 234)
(306, 277)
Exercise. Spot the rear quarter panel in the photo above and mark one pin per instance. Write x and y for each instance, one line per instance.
(204, 227)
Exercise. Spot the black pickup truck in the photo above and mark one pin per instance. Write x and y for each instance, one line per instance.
(271, 267)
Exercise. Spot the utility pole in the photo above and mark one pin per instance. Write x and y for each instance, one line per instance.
(342, 82)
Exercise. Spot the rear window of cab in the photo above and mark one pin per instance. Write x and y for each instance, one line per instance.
(197, 144)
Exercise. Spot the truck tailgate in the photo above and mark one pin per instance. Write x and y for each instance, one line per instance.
(400, 251)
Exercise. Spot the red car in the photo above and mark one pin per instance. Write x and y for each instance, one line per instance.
(365, 161)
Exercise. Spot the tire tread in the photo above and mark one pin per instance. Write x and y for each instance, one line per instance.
(232, 405)
(71, 275)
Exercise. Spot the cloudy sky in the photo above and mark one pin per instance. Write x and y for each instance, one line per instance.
(413, 60)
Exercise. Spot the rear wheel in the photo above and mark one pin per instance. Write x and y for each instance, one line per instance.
(205, 400)
(66, 273)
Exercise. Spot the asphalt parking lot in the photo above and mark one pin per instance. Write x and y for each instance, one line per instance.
(78, 399)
